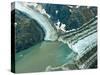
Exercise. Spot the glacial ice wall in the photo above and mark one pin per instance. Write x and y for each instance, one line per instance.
(51, 33)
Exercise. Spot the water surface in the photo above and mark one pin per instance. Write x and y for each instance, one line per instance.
(46, 53)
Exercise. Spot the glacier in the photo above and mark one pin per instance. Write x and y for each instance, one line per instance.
(81, 40)
(51, 33)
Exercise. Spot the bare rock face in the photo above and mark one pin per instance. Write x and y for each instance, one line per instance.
(28, 31)
(31, 27)
(80, 34)
(83, 41)
(33, 13)
(72, 16)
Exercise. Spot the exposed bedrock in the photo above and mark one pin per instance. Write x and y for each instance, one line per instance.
(72, 16)
(49, 29)
(83, 41)
(34, 27)
(31, 27)
(28, 31)
(79, 39)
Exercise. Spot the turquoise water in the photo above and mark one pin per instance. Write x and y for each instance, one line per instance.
(38, 57)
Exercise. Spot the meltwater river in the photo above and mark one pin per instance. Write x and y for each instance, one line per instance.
(42, 55)
(37, 58)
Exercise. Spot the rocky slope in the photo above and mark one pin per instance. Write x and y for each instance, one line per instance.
(80, 32)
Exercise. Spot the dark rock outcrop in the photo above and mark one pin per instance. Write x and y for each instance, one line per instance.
(72, 16)
(28, 31)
